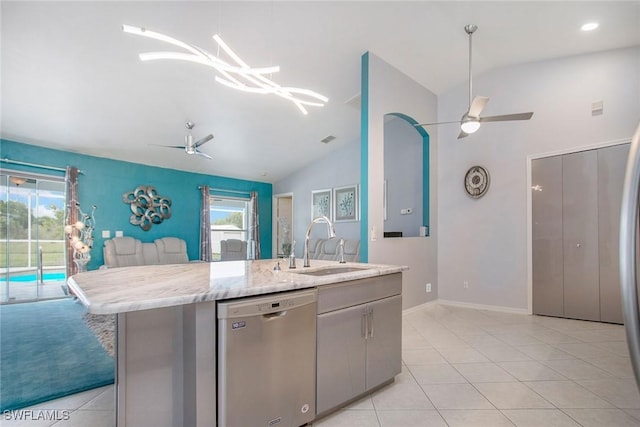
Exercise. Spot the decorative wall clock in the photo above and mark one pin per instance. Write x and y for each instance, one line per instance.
(476, 181)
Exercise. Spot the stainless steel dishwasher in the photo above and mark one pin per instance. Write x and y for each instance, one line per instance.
(267, 360)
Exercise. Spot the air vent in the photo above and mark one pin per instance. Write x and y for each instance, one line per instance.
(597, 108)
(328, 139)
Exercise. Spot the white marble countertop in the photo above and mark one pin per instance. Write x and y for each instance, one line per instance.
(119, 290)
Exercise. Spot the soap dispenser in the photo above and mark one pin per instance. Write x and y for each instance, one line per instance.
(292, 255)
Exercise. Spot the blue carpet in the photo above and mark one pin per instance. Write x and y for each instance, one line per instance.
(46, 352)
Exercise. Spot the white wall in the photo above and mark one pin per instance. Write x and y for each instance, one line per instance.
(390, 91)
(484, 242)
(339, 168)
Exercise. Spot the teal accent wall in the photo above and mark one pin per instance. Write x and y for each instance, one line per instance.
(104, 181)
(364, 159)
(425, 165)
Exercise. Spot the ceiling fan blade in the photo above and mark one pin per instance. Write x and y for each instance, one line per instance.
(507, 117)
(433, 124)
(169, 146)
(462, 134)
(200, 153)
(203, 140)
(477, 105)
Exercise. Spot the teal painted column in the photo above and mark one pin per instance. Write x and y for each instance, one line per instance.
(364, 159)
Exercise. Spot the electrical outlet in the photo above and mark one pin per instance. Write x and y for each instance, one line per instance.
(106, 234)
(427, 287)
(465, 284)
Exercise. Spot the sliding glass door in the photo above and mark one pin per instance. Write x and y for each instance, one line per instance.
(32, 254)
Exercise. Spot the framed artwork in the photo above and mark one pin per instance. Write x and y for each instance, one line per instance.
(345, 203)
(321, 203)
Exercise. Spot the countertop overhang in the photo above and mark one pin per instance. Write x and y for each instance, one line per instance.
(125, 289)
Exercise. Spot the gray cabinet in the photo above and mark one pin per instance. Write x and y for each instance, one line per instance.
(580, 236)
(341, 357)
(359, 338)
(611, 169)
(575, 218)
(547, 253)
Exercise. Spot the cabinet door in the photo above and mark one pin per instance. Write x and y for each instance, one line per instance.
(341, 357)
(547, 247)
(580, 229)
(384, 343)
(612, 163)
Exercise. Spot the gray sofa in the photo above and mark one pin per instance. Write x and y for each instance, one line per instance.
(127, 252)
(329, 249)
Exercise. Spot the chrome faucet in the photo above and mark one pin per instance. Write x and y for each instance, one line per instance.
(341, 253)
(330, 230)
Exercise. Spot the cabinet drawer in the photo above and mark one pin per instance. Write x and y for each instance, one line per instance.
(348, 294)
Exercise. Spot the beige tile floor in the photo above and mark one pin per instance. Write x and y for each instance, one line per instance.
(467, 367)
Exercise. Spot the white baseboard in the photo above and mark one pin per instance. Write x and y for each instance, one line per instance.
(485, 307)
(497, 308)
(419, 307)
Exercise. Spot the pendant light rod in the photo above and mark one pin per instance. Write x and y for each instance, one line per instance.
(470, 29)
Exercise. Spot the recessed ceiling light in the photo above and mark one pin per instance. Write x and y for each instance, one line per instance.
(589, 26)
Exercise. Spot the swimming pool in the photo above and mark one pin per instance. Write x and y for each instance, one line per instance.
(19, 277)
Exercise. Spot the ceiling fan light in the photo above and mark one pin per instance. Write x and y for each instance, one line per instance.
(470, 126)
(589, 26)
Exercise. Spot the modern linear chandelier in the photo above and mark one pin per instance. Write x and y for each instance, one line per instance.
(240, 76)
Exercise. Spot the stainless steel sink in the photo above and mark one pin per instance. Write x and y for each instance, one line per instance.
(330, 270)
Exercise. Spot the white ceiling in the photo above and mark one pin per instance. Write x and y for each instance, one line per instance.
(72, 80)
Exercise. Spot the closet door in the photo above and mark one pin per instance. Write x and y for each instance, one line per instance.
(611, 168)
(580, 235)
(546, 197)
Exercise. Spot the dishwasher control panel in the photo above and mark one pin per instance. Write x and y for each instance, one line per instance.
(276, 306)
(272, 303)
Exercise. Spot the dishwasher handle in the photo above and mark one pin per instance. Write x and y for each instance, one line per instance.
(275, 315)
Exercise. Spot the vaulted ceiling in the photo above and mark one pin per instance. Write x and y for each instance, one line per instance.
(72, 80)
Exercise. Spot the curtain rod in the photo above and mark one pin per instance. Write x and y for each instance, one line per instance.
(34, 165)
(227, 191)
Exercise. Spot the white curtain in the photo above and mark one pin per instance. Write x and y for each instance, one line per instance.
(254, 228)
(205, 224)
(71, 187)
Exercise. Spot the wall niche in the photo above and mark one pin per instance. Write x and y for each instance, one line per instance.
(406, 177)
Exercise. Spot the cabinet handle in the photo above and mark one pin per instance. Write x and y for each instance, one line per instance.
(577, 245)
(370, 314)
(364, 325)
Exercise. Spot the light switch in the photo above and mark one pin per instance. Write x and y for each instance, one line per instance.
(119, 233)
(106, 234)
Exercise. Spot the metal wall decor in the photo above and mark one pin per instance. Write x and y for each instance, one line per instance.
(476, 181)
(148, 206)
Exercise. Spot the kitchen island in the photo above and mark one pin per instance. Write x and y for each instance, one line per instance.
(166, 330)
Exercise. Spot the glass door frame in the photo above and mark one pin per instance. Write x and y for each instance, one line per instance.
(11, 274)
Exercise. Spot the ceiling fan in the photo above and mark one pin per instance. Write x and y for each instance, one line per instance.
(191, 147)
(471, 120)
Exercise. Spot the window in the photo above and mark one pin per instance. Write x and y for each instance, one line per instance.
(229, 220)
